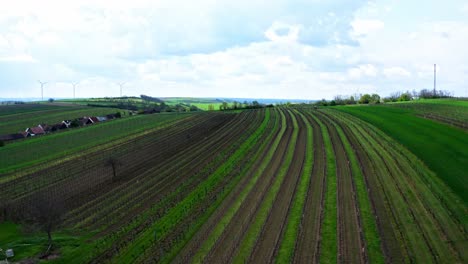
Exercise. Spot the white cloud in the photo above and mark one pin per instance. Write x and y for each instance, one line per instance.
(18, 58)
(282, 32)
(361, 71)
(366, 26)
(396, 72)
(291, 49)
(464, 8)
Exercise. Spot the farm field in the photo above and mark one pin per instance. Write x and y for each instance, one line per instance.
(451, 112)
(202, 103)
(442, 147)
(283, 184)
(14, 119)
(32, 151)
(185, 102)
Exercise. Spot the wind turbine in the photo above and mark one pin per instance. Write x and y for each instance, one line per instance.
(121, 84)
(42, 89)
(74, 87)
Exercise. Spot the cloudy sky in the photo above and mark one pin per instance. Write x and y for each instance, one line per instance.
(291, 49)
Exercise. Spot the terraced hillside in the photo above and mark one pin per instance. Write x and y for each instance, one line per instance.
(285, 185)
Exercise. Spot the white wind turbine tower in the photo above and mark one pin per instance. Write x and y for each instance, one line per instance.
(121, 84)
(42, 89)
(74, 87)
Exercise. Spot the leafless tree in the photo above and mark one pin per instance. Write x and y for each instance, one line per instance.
(45, 212)
(113, 162)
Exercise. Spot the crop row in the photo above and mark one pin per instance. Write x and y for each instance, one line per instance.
(417, 218)
(149, 188)
(193, 206)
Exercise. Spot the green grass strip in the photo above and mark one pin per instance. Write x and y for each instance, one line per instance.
(247, 244)
(329, 232)
(368, 222)
(286, 251)
(162, 226)
(218, 230)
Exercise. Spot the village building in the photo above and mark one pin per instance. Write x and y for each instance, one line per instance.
(34, 131)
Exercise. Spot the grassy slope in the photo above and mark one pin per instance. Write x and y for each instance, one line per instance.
(19, 122)
(443, 101)
(29, 244)
(443, 149)
(33, 151)
(25, 108)
(202, 103)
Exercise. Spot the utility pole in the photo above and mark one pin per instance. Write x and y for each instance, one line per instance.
(121, 84)
(74, 87)
(434, 80)
(42, 89)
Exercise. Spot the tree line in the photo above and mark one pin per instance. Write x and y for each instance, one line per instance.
(377, 99)
(238, 105)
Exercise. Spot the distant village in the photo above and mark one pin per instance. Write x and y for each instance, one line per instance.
(43, 129)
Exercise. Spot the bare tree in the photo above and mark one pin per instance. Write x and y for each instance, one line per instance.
(46, 212)
(113, 162)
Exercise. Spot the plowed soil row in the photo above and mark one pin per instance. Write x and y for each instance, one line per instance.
(228, 243)
(308, 243)
(268, 243)
(384, 218)
(428, 215)
(251, 160)
(86, 181)
(159, 180)
(202, 235)
(351, 248)
(210, 193)
(185, 173)
(80, 167)
(406, 225)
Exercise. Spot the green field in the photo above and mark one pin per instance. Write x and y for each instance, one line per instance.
(443, 148)
(186, 102)
(26, 108)
(202, 103)
(289, 184)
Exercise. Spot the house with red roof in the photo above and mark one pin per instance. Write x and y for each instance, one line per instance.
(34, 131)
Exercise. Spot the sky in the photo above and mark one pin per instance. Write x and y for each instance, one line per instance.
(283, 49)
